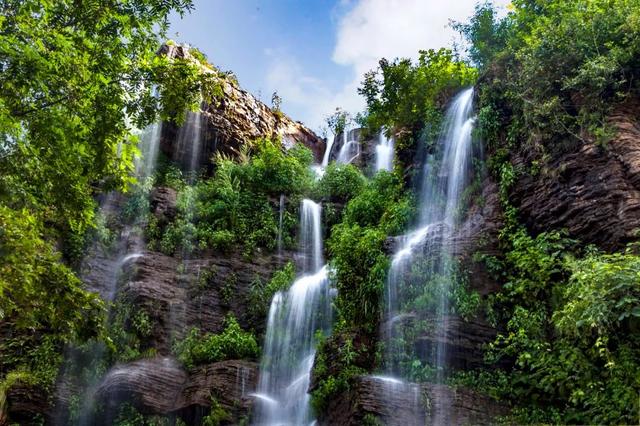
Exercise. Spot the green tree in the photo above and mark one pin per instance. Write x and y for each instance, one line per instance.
(76, 77)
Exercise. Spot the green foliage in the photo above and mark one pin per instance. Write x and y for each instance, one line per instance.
(217, 415)
(128, 415)
(485, 33)
(371, 420)
(183, 83)
(450, 282)
(41, 301)
(381, 203)
(410, 96)
(337, 121)
(603, 295)
(70, 74)
(237, 205)
(360, 269)
(232, 343)
(346, 358)
(554, 70)
(569, 331)
(261, 295)
(168, 174)
(340, 183)
(128, 332)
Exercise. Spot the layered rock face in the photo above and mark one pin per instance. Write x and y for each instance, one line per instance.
(593, 192)
(237, 119)
(161, 386)
(178, 294)
(410, 405)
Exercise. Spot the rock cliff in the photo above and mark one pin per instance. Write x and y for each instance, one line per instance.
(592, 191)
(236, 120)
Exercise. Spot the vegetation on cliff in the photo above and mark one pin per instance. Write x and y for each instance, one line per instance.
(551, 71)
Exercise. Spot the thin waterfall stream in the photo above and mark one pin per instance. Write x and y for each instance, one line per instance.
(128, 247)
(427, 249)
(295, 318)
(384, 152)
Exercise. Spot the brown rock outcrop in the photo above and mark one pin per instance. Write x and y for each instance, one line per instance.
(593, 192)
(239, 118)
(24, 405)
(161, 386)
(229, 383)
(196, 292)
(163, 204)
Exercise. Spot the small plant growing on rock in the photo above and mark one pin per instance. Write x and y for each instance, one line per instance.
(233, 343)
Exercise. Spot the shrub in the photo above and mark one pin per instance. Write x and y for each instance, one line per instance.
(231, 343)
(381, 203)
(340, 183)
(260, 296)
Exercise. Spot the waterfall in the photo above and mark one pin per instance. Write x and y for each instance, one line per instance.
(295, 316)
(149, 146)
(350, 149)
(104, 269)
(428, 247)
(189, 143)
(384, 152)
(311, 236)
(327, 153)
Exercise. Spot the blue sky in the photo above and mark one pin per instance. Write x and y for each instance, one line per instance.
(314, 52)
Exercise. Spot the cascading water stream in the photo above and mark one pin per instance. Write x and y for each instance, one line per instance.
(188, 154)
(295, 316)
(127, 248)
(428, 246)
(189, 143)
(350, 149)
(384, 152)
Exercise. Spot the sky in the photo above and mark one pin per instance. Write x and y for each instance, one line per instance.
(315, 52)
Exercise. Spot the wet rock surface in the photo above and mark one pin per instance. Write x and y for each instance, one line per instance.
(403, 404)
(163, 204)
(463, 342)
(478, 237)
(178, 295)
(161, 386)
(24, 405)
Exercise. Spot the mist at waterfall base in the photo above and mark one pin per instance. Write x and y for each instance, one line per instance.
(421, 273)
(295, 318)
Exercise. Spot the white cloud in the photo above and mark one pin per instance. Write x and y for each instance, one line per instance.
(368, 30)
